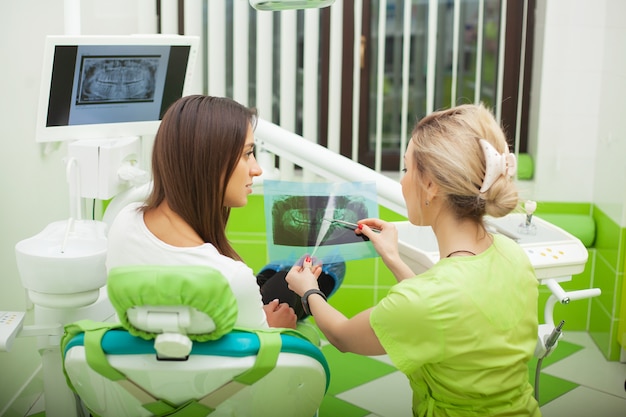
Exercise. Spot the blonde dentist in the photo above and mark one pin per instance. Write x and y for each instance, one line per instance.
(464, 331)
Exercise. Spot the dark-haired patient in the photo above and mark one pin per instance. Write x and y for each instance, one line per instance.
(464, 331)
(203, 165)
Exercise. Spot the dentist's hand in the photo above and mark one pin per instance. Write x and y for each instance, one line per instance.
(280, 315)
(385, 242)
(302, 278)
(385, 239)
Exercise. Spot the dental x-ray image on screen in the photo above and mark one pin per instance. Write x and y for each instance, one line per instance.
(107, 87)
(114, 79)
(299, 219)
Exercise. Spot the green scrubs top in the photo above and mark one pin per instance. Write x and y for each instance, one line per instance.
(464, 331)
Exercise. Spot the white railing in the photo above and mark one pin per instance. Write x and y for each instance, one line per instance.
(326, 163)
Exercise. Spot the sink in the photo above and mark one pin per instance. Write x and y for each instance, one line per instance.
(64, 265)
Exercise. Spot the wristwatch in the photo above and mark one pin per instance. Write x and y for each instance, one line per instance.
(305, 299)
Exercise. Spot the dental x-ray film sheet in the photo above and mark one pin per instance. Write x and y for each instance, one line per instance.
(299, 218)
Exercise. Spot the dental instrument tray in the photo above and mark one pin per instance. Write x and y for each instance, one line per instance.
(553, 252)
(11, 322)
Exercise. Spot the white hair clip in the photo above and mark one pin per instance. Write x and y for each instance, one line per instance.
(496, 164)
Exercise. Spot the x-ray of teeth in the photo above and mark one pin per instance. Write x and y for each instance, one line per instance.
(295, 214)
(298, 220)
(117, 79)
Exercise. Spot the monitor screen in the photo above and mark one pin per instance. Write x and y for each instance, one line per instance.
(96, 87)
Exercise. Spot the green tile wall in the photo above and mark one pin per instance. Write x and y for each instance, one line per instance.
(621, 328)
(368, 280)
(600, 316)
(609, 277)
(246, 231)
(561, 208)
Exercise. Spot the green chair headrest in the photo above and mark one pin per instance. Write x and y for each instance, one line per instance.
(200, 287)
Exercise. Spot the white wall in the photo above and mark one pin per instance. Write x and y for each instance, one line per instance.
(577, 134)
(33, 187)
(609, 191)
(565, 98)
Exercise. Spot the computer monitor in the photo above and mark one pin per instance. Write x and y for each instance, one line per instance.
(98, 87)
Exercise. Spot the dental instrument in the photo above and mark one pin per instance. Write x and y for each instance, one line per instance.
(348, 225)
(549, 343)
(554, 336)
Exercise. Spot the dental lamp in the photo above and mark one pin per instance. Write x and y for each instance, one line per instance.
(277, 5)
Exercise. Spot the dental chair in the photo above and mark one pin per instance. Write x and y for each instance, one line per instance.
(175, 352)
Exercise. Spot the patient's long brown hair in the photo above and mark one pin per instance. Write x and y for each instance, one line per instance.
(197, 146)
